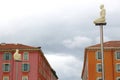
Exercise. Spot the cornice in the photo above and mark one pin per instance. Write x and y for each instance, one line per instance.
(20, 49)
(107, 48)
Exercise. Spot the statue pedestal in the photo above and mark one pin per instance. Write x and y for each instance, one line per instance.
(18, 60)
(100, 24)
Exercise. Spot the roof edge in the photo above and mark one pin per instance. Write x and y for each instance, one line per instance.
(104, 48)
(18, 48)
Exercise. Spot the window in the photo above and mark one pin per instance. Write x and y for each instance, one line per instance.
(6, 67)
(118, 78)
(98, 55)
(7, 56)
(5, 78)
(24, 77)
(117, 55)
(99, 67)
(118, 67)
(26, 56)
(99, 78)
(25, 67)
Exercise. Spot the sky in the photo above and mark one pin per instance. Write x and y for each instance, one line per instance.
(63, 28)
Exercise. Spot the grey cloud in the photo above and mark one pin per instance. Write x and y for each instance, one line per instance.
(67, 64)
(49, 24)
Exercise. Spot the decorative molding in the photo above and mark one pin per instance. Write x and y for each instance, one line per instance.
(19, 49)
(106, 48)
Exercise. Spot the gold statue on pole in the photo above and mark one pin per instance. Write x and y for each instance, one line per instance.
(102, 19)
(17, 56)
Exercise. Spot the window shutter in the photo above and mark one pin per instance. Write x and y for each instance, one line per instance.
(22, 67)
(118, 67)
(96, 55)
(116, 55)
(28, 67)
(10, 56)
(4, 56)
(8, 67)
(3, 67)
(96, 68)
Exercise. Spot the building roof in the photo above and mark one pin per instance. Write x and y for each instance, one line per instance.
(54, 73)
(6, 46)
(109, 44)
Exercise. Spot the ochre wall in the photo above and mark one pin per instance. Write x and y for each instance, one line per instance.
(109, 64)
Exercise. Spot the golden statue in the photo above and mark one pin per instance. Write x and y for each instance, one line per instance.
(17, 56)
(102, 19)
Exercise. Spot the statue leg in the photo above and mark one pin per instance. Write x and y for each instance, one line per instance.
(99, 20)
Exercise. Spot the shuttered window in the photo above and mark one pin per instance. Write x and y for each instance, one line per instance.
(117, 55)
(99, 78)
(25, 67)
(99, 67)
(7, 56)
(118, 78)
(25, 56)
(24, 77)
(5, 78)
(6, 67)
(98, 55)
(118, 67)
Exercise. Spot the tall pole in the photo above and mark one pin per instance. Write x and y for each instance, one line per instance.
(102, 51)
(100, 22)
(17, 58)
(16, 70)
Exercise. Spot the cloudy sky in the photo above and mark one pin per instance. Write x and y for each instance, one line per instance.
(63, 28)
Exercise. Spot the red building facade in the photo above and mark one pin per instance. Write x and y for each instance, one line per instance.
(33, 66)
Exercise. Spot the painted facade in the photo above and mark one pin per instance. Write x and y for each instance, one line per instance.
(33, 66)
(92, 68)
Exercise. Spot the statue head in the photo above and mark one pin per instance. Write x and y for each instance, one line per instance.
(101, 6)
(17, 50)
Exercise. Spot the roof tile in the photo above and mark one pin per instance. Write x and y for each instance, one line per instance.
(108, 44)
(15, 46)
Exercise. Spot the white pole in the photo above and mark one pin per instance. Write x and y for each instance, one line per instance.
(16, 70)
(102, 51)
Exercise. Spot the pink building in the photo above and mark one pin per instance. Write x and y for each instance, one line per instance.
(33, 66)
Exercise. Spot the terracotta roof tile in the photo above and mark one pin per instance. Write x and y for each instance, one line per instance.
(15, 46)
(108, 44)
